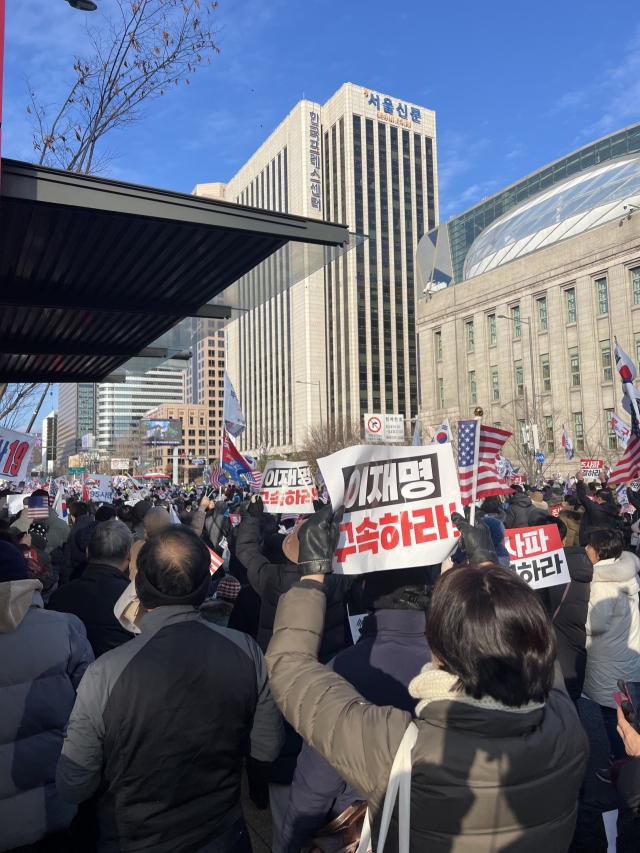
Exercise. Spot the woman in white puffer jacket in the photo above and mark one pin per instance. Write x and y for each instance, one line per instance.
(613, 626)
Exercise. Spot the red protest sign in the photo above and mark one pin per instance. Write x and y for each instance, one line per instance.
(591, 467)
(537, 555)
(518, 479)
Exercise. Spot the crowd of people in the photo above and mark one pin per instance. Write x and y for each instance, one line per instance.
(154, 650)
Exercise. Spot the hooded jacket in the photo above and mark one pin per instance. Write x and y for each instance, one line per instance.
(271, 581)
(44, 656)
(92, 598)
(613, 628)
(517, 514)
(572, 520)
(162, 724)
(391, 651)
(483, 779)
(596, 514)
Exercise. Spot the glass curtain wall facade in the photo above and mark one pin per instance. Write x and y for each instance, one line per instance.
(76, 417)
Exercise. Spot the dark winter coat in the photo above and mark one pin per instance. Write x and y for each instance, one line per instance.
(217, 526)
(570, 622)
(271, 581)
(517, 514)
(74, 555)
(595, 514)
(628, 788)
(92, 598)
(164, 722)
(43, 656)
(391, 651)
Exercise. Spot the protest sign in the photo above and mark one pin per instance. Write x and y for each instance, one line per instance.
(591, 467)
(537, 555)
(518, 480)
(14, 504)
(555, 510)
(99, 487)
(287, 485)
(398, 504)
(15, 453)
(235, 518)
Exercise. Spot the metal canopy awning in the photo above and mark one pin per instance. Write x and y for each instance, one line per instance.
(93, 271)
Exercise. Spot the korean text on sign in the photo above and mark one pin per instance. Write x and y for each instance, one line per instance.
(15, 454)
(398, 504)
(537, 555)
(287, 485)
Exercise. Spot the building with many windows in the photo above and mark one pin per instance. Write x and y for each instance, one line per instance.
(76, 417)
(200, 442)
(204, 382)
(524, 296)
(340, 342)
(49, 442)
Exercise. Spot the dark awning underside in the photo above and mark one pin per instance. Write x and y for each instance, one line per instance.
(92, 270)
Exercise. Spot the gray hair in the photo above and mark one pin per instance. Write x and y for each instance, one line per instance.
(110, 542)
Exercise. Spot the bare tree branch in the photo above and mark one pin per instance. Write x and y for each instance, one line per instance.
(134, 58)
(16, 400)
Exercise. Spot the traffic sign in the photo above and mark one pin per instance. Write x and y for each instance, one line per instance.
(383, 429)
(77, 470)
(540, 458)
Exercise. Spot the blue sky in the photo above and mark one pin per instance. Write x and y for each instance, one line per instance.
(514, 85)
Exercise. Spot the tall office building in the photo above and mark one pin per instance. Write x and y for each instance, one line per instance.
(348, 330)
(204, 382)
(120, 405)
(49, 442)
(76, 417)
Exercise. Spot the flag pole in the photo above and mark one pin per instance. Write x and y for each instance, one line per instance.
(476, 459)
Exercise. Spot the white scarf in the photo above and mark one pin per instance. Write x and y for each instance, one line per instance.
(434, 685)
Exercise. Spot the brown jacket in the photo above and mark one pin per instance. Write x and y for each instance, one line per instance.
(572, 519)
(483, 780)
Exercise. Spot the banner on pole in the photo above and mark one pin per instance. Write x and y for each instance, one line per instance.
(591, 467)
(537, 555)
(398, 504)
(119, 464)
(287, 485)
(15, 453)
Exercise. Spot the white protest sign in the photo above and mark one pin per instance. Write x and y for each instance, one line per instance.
(537, 555)
(15, 453)
(398, 504)
(99, 487)
(287, 485)
(14, 503)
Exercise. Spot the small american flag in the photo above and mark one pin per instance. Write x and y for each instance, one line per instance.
(290, 516)
(215, 562)
(217, 477)
(257, 479)
(38, 507)
(492, 440)
(629, 465)
(53, 489)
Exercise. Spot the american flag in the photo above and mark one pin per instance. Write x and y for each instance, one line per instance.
(492, 440)
(215, 561)
(53, 488)
(38, 507)
(257, 478)
(629, 465)
(217, 477)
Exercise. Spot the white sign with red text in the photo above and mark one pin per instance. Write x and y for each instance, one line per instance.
(398, 503)
(287, 486)
(15, 453)
(537, 555)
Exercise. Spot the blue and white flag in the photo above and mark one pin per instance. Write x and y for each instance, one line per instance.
(567, 444)
(621, 430)
(234, 421)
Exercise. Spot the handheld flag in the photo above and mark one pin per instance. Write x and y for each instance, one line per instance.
(38, 506)
(60, 505)
(173, 516)
(567, 444)
(233, 463)
(627, 371)
(234, 421)
(628, 467)
(621, 430)
(443, 434)
(417, 440)
(490, 442)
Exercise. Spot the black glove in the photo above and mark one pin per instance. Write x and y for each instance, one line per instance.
(318, 538)
(477, 541)
(243, 509)
(256, 507)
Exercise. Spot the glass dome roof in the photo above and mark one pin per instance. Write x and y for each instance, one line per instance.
(578, 204)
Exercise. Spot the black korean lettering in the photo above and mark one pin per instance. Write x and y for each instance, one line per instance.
(374, 484)
(525, 572)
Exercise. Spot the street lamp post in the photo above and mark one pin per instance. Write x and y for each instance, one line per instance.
(317, 382)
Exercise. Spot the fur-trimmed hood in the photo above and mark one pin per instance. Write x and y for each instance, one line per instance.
(620, 571)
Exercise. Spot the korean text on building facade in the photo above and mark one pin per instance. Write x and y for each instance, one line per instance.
(314, 158)
(287, 485)
(398, 504)
(537, 555)
(398, 112)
